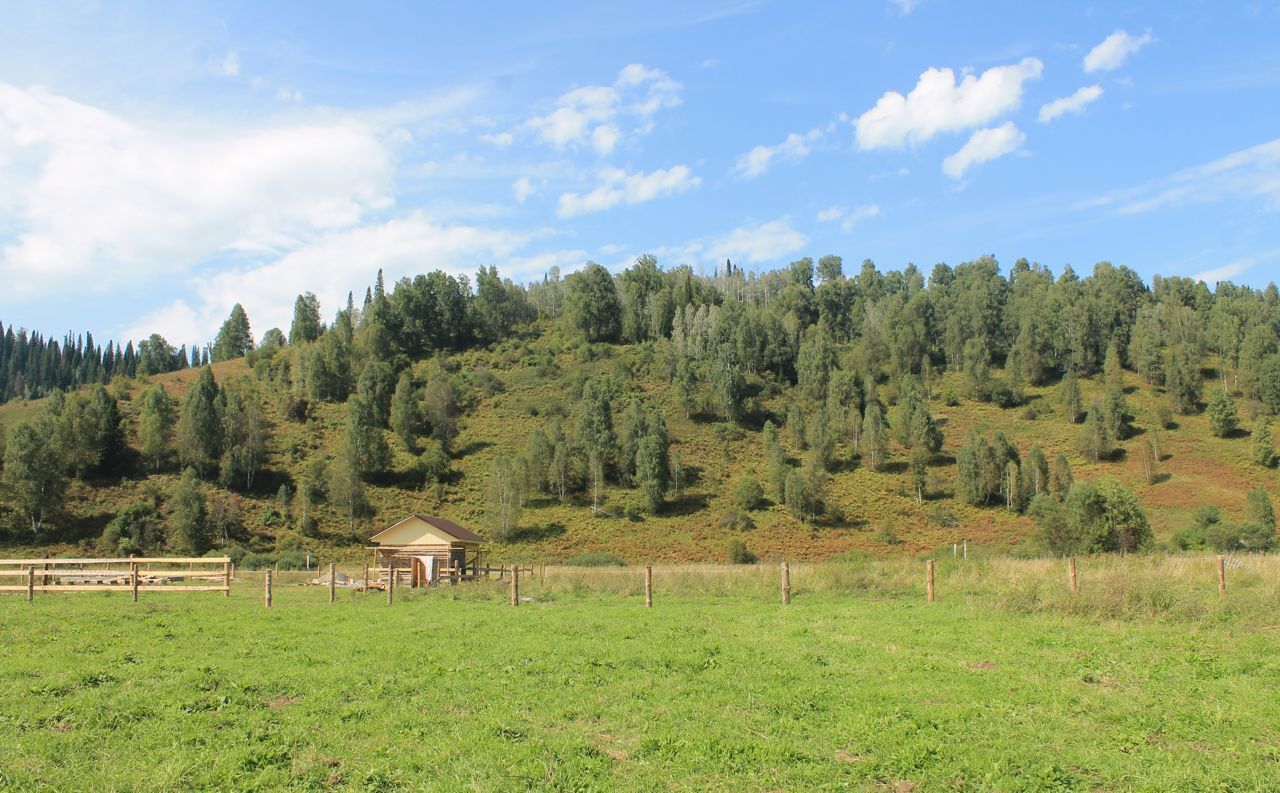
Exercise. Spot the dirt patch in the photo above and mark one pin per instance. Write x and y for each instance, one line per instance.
(282, 701)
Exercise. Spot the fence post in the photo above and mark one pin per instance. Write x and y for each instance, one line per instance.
(333, 582)
(1071, 574)
(226, 578)
(966, 549)
(1222, 575)
(133, 579)
(929, 578)
(391, 582)
(366, 577)
(266, 588)
(31, 584)
(648, 586)
(542, 573)
(515, 585)
(786, 584)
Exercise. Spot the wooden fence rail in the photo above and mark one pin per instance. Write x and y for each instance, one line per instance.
(132, 575)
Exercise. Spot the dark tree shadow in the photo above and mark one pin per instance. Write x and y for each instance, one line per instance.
(1161, 478)
(686, 504)
(536, 533)
(895, 467)
(471, 448)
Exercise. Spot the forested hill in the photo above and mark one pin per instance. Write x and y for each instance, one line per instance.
(664, 415)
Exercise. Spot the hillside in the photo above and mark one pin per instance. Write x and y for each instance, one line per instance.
(539, 377)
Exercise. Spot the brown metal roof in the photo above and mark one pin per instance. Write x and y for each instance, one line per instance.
(451, 528)
(447, 526)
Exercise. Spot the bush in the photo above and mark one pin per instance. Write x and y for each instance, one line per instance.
(748, 494)
(739, 553)
(1002, 395)
(736, 519)
(1240, 537)
(950, 398)
(1164, 416)
(595, 559)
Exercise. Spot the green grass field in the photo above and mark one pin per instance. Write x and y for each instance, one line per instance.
(1145, 681)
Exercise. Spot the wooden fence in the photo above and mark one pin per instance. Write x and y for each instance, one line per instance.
(133, 575)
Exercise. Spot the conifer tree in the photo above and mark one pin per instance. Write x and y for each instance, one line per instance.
(199, 426)
(235, 339)
(1264, 450)
(406, 422)
(1223, 418)
(306, 319)
(652, 470)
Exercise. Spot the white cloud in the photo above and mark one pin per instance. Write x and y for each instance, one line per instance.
(229, 66)
(1076, 103)
(604, 138)
(288, 94)
(618, 187)
(1114, 51)
(101, 200)
(1230, 270)
(499, 139)
(794, 148)
(1251, 175)
(906, 6)
(757, 244)
(849, 218)
(983, 146)
(709, 63)
(523, 189)
(328, 266)
(939, 104)
(593, 113)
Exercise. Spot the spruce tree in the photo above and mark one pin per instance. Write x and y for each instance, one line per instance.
(1095, 437)
(405, 420)
(1264, 450)
(200, 427)
(1259, 510)
(652, 471)
(234, 339)
(1223, 418)
(306, 319)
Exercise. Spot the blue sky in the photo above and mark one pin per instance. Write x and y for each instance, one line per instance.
(158, 164)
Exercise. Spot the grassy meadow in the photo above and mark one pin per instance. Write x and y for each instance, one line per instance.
(1145, 680)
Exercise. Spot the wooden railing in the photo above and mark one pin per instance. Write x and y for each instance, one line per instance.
(134, 575)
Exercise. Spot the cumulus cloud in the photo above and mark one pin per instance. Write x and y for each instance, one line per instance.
(523, 189)
(1076, 103)
(983, 146)
(102, 200)
(592, 114)
(794, 148)
(753, 243)
(905, 6)
(616, 186)
(1114, 51)
(399, 247)
(848, 217)
(499, 139)
(939, 104)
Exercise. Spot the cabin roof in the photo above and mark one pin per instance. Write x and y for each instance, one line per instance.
(447, 526)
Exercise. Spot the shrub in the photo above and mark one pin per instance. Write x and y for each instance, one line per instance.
(595, 559)
(748, 494)
(739, 553)
(1002, 395)
(736, 519)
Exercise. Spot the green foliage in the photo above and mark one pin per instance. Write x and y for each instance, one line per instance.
(189, 530)
(1093, 519)
(156, 418)
(306, 325)
(33, 480)
(234, 339)
(1263, 445)
(135, 530)
(200, 426)
(405, 418)
(244, 437)
(652, 470)
(1095, 439)
(1069, 397)
(737, 552)
(593, 305)
(1223, 414)
(1259, 509)
(748, 495)
(874, 440)
(505, 498)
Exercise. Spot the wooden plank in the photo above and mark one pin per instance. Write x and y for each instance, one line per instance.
(123, 560)
(125, 587)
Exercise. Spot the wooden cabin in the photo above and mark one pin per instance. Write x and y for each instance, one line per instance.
(427, 547)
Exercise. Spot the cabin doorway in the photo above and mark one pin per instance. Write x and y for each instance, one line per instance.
(458, 559)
